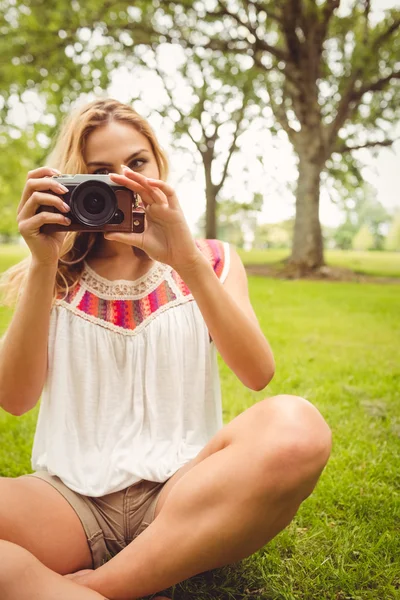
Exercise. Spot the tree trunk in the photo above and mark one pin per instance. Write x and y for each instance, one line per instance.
(307, 250)
(211, 219)
(211, 196)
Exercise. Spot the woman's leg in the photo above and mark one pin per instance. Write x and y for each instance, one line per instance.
(24, 577)
(37, 517)
(242, 489)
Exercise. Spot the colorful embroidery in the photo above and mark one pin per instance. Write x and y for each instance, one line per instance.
(127, 307)
(127, 314)
(213, 250)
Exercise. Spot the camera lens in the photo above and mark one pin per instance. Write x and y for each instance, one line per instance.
(118, 217)
(93, 203)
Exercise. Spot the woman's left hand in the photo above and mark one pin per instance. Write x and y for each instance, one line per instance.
(166, 237)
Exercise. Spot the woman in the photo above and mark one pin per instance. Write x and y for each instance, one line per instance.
(137, 483)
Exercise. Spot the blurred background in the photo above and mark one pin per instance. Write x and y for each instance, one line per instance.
(281, 122)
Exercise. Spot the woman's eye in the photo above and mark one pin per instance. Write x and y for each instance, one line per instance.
(135, 164)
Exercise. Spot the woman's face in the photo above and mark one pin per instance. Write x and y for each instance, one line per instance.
(117, 143)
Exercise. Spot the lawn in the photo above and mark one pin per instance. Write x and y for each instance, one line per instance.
(383, 264)
(336, 344)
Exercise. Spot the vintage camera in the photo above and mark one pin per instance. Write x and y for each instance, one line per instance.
(97, 204)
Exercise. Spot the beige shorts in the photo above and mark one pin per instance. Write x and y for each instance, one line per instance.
(111, 522)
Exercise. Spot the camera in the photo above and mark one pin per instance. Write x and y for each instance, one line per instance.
(96, 204)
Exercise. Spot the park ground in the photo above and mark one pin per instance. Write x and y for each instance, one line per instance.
(336, 343)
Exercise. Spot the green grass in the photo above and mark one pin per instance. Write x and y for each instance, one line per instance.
(336, 344)
(383, 264)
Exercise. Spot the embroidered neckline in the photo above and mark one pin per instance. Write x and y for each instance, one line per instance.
(123, 288)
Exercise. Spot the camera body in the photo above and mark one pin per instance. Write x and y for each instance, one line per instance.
(96, 204)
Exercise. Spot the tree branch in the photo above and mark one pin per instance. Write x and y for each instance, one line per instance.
(291, 15)
(260, 8)
(170, 96)
(281, 116)
(347, 102)
(262, 44)
(386, 34)
(239, 120)
(375, 86)
(343, 148)
(328, 9)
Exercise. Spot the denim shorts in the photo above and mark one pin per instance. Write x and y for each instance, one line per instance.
(112, 521)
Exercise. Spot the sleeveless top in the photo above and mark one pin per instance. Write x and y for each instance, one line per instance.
(132, 390)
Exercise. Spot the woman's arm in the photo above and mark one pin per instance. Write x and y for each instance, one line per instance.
(226, 308)
(23, 350)
(231, 320)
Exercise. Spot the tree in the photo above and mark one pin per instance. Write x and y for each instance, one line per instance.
(364, 211)
(18, 150)
(344, 234)
(363, 240)
(213, 109)
(392, 241)
(236, 221)
(274, 235)
(330, 78)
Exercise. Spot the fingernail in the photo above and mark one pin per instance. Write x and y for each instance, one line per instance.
(66, 206)
(56, 171)
(62, 187)
(125, 167)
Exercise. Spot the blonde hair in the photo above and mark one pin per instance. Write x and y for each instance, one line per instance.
(67, 156)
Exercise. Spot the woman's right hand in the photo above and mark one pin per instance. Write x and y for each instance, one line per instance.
(45, 247)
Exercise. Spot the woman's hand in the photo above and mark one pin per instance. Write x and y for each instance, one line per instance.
(45, 248)
(166, 237)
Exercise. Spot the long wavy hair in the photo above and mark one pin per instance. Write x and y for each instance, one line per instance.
(67, 155)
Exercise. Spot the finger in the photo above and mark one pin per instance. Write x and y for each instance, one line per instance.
(40, 184)
(158, 196)
(131, 239)
(31, 226)
(41, 199)
(134, 186)
(42, 172)
(166, 189)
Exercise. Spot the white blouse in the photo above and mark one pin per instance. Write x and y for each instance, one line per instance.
(132, 390)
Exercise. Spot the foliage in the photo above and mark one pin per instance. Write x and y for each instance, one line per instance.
(344, 234)
(236, 221)
(329, 76)
(364, 213)
(18, 153)
(274, 235)
(392, 241)
(363, 240)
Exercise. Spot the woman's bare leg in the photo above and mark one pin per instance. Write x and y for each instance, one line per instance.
(24, 577)
(243, 488)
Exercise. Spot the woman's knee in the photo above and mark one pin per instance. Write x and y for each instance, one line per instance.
(295, 438)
